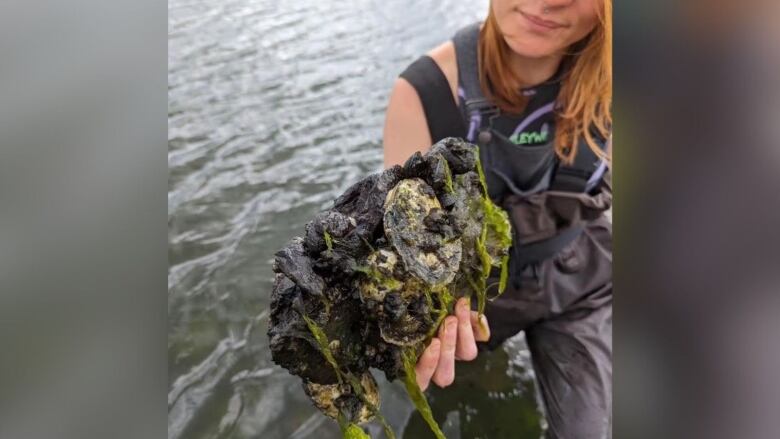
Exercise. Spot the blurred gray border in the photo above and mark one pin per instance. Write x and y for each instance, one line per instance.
(83, 236)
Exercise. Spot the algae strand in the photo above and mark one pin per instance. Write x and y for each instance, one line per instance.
(502, 280)
(352, 431)
(322, 341)
(415, 394)
(448, 177)
(360, 392)
(328, 240)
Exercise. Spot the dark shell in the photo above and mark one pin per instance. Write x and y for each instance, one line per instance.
(296, 265)
(460, 155)
(416, 166)
(336, 224)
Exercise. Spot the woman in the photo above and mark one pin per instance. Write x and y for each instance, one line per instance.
(532, 86)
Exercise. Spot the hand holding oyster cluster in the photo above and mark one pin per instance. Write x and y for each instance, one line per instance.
(371, 280)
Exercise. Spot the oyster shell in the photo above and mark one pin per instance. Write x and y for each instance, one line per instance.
(396, 298)
(419, 231)
(332, 399)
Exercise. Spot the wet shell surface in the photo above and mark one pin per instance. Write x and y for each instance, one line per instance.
(330, 398)
(401, 307)
(413, 223)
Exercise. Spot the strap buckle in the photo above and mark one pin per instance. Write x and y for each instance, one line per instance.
(482, 106)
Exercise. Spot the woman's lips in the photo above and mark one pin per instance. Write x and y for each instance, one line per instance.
(538, 21)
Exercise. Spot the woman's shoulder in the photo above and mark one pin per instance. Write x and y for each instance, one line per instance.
(423, 73)
(444, 57)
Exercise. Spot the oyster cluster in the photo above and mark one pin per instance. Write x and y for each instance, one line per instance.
(371, 279)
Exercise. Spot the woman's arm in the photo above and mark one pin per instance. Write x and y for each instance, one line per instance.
(406, 130)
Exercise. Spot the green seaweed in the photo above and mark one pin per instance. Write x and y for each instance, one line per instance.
(361, 393)
(446, 300)
(447, 176)
(322, 341)
(415, 394)
(357, 387)
(352, 431)
(504, 274)
(495, 217)
(440, 314)
(429, 299)
(482, 250)
(496, 229)
(368, 244)
(380, 279)
(481, 173)
(385, 426)
(480, 287)
(328, 240)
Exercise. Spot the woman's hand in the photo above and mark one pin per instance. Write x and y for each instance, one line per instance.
(457, 339)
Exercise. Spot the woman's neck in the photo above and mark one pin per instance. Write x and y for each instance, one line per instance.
(534, 71)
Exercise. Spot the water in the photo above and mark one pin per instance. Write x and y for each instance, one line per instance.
(274, 109)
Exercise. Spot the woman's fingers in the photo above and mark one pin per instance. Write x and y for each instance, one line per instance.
(457, 339)
(480, 326)
(466, 349)
(445, 370)
(426, 364)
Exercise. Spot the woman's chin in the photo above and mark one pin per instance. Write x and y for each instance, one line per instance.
(533, 49)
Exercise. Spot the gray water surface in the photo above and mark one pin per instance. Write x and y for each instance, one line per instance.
(275, 108)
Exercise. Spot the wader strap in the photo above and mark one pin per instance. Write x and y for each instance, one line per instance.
(525, 255)
(583, 174)
(441, 111)
(477, 108)
(542, 184)
(466, 41)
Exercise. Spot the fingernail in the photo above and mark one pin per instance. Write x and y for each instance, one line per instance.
(450, 326)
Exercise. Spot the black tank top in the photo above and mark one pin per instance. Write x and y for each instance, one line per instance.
(532, 127)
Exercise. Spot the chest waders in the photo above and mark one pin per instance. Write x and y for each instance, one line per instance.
(560, 289)
(515, 174)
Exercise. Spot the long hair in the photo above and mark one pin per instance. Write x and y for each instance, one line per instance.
(584, 102)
